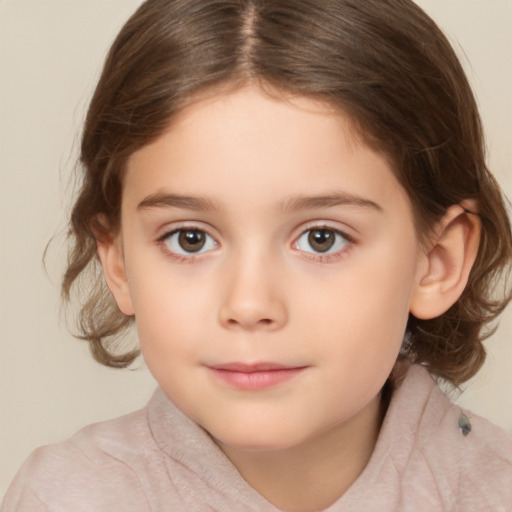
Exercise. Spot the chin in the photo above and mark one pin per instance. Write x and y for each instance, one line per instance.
(256, 447)
(269, 441)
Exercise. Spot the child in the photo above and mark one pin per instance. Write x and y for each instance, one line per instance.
(290, 200)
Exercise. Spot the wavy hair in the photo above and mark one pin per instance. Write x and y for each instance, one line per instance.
(396, 76)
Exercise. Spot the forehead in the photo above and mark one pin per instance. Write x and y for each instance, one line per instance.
(247, 144)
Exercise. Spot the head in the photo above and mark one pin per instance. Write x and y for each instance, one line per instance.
(396, 82)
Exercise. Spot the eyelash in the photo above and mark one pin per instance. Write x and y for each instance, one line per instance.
(182, 258)
(321, 257)
(311, 255)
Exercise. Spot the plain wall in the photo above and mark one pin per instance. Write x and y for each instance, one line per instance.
(50, 56)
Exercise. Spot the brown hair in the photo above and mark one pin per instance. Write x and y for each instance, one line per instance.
(395, 75)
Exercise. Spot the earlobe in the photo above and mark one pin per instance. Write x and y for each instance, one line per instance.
(449, 262)
(111, 256)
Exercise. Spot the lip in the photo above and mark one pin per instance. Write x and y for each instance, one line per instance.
(256, 376)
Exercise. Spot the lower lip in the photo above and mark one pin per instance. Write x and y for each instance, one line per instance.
(258, 380)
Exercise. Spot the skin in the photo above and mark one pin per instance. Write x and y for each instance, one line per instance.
(249, 170)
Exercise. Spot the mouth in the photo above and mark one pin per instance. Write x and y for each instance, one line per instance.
(254, 377)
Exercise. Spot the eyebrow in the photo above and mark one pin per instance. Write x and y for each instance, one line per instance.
(292, 204)
(163, 200)
(328, 201)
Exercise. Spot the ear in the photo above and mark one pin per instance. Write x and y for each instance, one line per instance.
(110, 252)
(450, 257)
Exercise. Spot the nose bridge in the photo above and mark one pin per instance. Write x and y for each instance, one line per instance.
(253, 298)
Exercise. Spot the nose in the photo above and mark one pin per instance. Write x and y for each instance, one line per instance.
(252, 297)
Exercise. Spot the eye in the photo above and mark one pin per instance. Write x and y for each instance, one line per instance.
(189, 241)
(322, 241)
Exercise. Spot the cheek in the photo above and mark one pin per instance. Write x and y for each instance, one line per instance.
(364, 308)
(167, 315)
(175, 315)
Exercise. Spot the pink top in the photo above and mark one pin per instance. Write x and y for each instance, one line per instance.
(156, 459)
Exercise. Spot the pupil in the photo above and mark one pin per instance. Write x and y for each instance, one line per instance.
(191, 241)
(321, 240)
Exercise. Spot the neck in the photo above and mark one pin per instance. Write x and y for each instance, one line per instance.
(314, 474)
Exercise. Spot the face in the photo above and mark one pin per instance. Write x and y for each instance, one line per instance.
(270, 261)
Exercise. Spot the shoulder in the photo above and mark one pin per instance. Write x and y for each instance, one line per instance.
(153, 459)
(464, 458)
(485, 441)
(92, 470)
(476, 460)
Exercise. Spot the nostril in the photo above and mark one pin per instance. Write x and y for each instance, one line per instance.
(263, 322)
(252, 312)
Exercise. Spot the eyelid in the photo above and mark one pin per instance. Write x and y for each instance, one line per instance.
(344, 230)
(324, 257)
(172, 227)
(176, 227)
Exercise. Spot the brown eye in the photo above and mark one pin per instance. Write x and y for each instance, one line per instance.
(321, 240)
(191, 240)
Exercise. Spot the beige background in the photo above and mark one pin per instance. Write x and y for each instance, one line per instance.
(50, 56)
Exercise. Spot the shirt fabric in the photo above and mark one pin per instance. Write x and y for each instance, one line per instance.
(156, 459)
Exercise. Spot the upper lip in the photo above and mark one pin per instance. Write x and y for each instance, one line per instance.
(253, 367)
